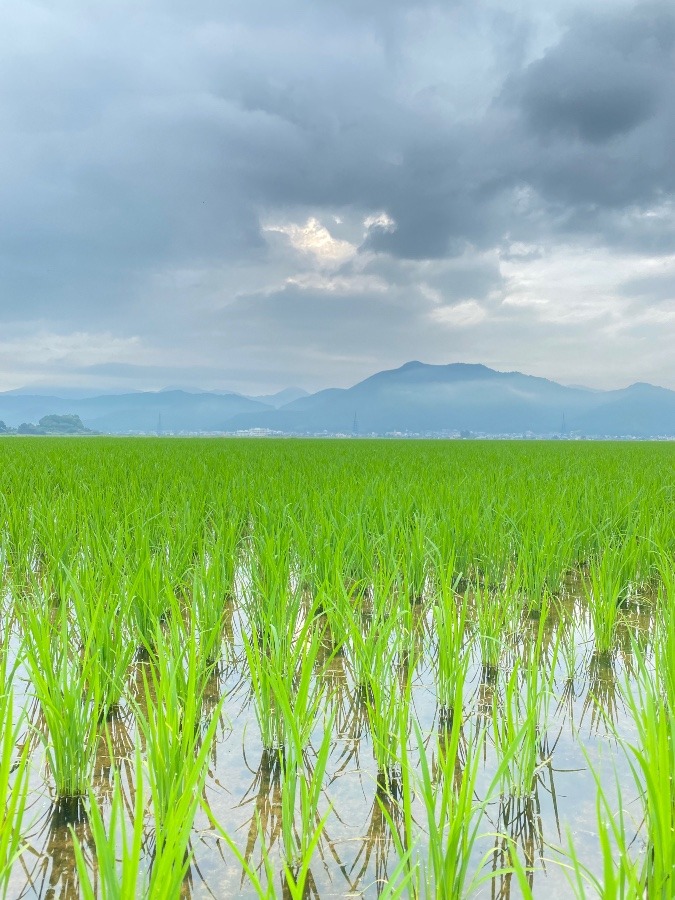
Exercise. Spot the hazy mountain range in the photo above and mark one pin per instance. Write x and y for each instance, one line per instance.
(415, 398)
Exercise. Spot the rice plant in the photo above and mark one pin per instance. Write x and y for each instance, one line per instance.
(61, 679)
(13, 777)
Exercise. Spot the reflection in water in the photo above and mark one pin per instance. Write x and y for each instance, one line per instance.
(49, 861)
(377, 844)
(115, 752)
(519, 827)
(264, 794)
(603, 696)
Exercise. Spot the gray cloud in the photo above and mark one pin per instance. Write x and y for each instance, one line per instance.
(602, 80)
(651, 289)
(150, 151)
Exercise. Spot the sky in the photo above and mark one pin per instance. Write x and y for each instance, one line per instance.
(252, 195)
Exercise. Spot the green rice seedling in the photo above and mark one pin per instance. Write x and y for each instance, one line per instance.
(447, 561)
(300, 692)
(321, 548)
(452, 659)
(119, 848)
(150, 593)
(453, 815)
(55, 532)
(101, 624)
(302, 786)
(177, 756)
(179, 656)
(333, 600)
(220, 557)
(387, 704)
(271, 593)
(665, 626)
(531, 569)
(606, 592)
(412, 556)
(274, 607)
(519, 728)
(622, 876)
(372, 631)
(358, 564)
(494, 550)
(652, 761)
(62, 681)
(13, 777)
(269, 717)
(209, 603)
(368, 526)
(286, 693)
(495, 620)
(401, 794)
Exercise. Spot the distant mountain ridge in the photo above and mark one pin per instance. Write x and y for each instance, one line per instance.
(416, 398)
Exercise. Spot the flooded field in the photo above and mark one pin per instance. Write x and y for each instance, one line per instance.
(336, 669)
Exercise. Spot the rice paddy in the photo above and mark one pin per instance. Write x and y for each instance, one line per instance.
(323, 669)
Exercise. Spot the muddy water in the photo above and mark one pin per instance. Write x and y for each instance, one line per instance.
(357, 850)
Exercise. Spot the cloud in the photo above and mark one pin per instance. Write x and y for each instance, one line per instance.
(315, 240)
(308, 192)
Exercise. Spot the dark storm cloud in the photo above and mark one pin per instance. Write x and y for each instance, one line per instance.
(593, 118)
(602, 80)
(585, 128)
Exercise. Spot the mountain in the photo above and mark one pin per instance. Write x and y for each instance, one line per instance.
(281, 398)
(416, 398)
(144, 412)
(419, 398)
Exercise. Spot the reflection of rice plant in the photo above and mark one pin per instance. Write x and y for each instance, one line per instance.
(518, 828)
(602, 695)
(621, 876)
